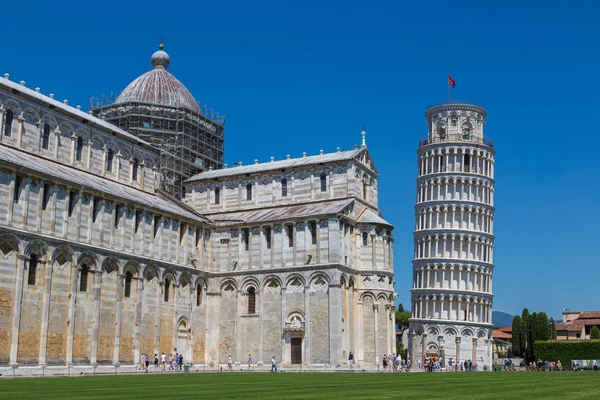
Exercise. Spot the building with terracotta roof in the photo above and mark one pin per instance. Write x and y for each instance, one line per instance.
(577, 325)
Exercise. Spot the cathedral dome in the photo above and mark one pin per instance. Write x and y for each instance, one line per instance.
(159, 87)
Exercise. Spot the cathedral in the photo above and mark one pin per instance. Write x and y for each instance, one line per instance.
(123, 232)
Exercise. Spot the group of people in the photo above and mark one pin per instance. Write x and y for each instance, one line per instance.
(172, 362)
(250, 363)
(433, 364)
(394, 363)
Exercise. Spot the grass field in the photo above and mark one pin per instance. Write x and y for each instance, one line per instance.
(462, 386)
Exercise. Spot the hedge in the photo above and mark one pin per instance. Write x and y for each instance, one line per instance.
(567, 351)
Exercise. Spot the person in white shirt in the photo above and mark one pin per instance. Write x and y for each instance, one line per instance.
(273, 365)
(163, 361)
(250, 361)
(230, 363)
(171, 361)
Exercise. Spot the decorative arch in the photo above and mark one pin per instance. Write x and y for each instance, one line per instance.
(228, 287)
(185, 279)
(62, 255)
(250, 282)
(131, 266)
(110, 265)
(150, 272)
(367, 295)
(296, 282)
(169, 273)
(37, 247)
(9, 243)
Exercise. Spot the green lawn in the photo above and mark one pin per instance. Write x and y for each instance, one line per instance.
(446, 386)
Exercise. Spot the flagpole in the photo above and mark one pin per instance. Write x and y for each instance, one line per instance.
(448, 83)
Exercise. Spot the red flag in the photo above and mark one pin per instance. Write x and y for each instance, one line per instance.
(451, 81)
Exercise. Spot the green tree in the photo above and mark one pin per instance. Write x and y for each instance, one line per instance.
(402, 318)
(595, 333)
(516, 336)
(525, 317)
(552, 329)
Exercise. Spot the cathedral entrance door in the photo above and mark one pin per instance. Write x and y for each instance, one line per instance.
(182, 341)
(296, 348)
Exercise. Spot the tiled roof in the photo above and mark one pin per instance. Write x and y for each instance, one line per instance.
(280, 213)
(498, 334)
(589, 314)
(82, 179)
(74, 112)
(562, 327)
(506, 330)
(276, 165)
(371, 217)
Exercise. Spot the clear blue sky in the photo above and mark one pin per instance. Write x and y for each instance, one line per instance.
(305, 77)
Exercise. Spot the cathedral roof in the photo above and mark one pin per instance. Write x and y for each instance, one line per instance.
(159, 87)
(82, 179)
(277, 165)
(369, 216)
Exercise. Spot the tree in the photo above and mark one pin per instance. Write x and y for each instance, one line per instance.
(525, 317)
(595, 333)
(516, 336)
(402, 318)
(552, 329)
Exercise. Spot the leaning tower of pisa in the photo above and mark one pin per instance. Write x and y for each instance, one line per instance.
(454, 242)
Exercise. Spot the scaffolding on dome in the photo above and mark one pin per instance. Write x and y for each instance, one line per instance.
(190, 143)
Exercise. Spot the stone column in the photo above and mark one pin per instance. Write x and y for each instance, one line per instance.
(260, 319)
(457, 349)
(41, 189)
(20, 128)
(2, 111)
(97, 288)
(414, 352)
(175, 316)
(360, 348)
(474, 351)
(376, 314)
(442, 350)
(423, 344)
(71, 320)
(307, 325)
(117, 160)
(118, 311)
(138, 320)
(88, 160)
(45, 311)
(283, 315)
(335, 324)
(238, 327)
(159, 300)
(23, 265)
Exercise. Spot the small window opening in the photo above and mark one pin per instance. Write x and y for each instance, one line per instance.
(323, 182)
(365, 238)
(47, 190)
(249, 191)
(167, 287)
(139, 217)
(79, 148)
(128, 279)
(217, 195)
(198, 236)
(364, 187)
(198, 295)
(156, 225)
(96, 209)
(72, 202)
(33, 261)
(136, 166)
(284, 187)
(453, 120)
(182, 229)
(117, 215)
(46, 137)
(268, 237)
(290, 234)
(83, 279)
(312, 227)
(251, 300)
(467, 163)
(109, 160)
(246, 238)
(17, 189)
(8, 123)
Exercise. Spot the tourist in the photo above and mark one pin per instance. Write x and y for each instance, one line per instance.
(250, 361)
(155, 362)
(273, 365)
(171, 360)
(163, 360)
(176, 361)
(419, 364)
(351, 359)
(385, 363)
(230, 363)
(180, 361)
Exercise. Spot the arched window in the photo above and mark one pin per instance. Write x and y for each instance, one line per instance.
(79, 148)
(248, 191)
(128, 279)
(33, 261)
(83, 279)
(364, 185)
(109, 160)
(251, 300)
(8, 123)
(323, 182)
(46, 137)
(167, 287)
(284, 187)
(467, 163)
(453, 120)
(217, 195)
(136, 165)
(198, 295)
(365, 238)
